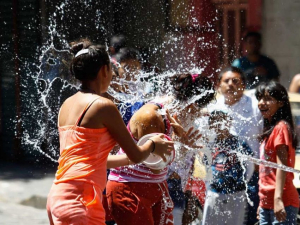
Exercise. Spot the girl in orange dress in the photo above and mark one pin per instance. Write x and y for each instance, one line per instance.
(89, 127)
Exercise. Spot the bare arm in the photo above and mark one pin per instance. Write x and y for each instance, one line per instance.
(145, 121)
(295, 84)
(112, 120)
(114, 161)
(282, 157)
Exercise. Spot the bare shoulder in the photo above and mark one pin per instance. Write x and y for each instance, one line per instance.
(296, 78)
(146, 120)
(69, 104)
(68, 100)
(146, 113)
(295, 84)
(149, 107)
(77, 103)
(105, 105)
(104, 101)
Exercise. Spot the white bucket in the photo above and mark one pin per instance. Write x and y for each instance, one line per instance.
(154, 161)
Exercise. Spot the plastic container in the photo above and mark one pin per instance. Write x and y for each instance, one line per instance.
(154, 161)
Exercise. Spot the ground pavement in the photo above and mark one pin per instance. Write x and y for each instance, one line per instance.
(23, 193)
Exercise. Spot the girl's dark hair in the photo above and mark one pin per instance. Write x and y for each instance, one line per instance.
(277, 91)
(86, 66)
(185, 87)
(128, 54)
(216, 114)
(253, 34)
(117, 42)
(115, 67)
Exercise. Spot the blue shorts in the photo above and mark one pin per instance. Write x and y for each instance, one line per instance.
(267, 216)
(176, 193)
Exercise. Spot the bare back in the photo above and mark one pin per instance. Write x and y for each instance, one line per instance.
(146, 120)
(73, 107)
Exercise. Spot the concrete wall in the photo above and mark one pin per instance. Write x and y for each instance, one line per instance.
(281, 36)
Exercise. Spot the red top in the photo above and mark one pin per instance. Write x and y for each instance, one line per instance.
(281, 135)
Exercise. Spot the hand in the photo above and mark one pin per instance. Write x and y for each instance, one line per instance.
(175, 123)
(174, 175)
(190, 137)
(279, 210)
(257, 212)
(162, 146)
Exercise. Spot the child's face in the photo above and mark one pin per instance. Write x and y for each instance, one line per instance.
(268, 106)
(232, 86)
(252, 45)
(220, 124)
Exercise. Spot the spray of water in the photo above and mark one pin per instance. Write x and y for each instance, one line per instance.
(50, 91)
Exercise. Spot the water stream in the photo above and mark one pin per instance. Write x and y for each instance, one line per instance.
(53, 84)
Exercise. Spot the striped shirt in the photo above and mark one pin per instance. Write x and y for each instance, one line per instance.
(139, 172)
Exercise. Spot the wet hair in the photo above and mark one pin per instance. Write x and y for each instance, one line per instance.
(233, 69)
(128, 54)
(118, 42)
(253, 34)
(86, 66)
(115, 67)
(185, 88)
(277, 91)
(216, 114)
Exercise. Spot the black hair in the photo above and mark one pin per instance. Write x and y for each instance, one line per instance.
(233, 69)
(217, 114)
(118, 42)
(86, 66)
(253, 34)
(128, 54)
(277, 91)
(185, 88)
(115, 67)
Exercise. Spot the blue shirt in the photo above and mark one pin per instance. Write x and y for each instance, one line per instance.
(227, 171)
(127, 110)
(252, 80)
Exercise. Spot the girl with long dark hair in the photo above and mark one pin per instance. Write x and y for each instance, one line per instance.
(279, 200)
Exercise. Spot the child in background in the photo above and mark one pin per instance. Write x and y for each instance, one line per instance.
(279, 200)
(137, 194)
(225, 198)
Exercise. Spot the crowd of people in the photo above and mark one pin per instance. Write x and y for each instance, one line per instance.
(101, 177)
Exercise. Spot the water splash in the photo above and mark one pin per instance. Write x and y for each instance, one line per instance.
(50, 90)
(269, 164)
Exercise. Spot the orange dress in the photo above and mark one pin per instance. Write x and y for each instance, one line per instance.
(76, 194)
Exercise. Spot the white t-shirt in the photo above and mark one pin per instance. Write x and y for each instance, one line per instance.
(247, 122)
